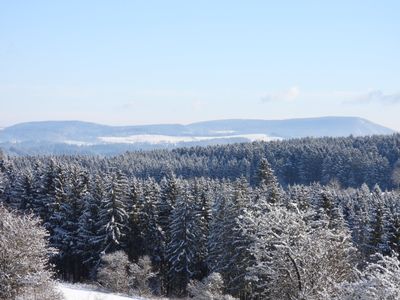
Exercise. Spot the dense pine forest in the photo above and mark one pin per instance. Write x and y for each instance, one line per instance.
(297, 219)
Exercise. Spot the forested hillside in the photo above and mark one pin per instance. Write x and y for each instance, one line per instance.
(297, 219)
(351, 161)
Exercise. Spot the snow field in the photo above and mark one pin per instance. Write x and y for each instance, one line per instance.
(87, 292)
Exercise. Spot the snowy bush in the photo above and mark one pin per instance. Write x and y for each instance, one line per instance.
(118, 274)
(113, 272)
(211, 288)
(24, 271)
(297, 260)
(380, 280)
(139, 274)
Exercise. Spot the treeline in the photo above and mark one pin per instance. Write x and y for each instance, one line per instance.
(351, 161)
(267, 242)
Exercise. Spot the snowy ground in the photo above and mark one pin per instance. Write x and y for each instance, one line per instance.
(87, 292)
(168, 139)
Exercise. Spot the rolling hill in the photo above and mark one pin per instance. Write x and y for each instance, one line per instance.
(59, 137)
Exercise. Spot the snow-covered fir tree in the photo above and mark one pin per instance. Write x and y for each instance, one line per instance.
(183, 246)
(133, 239)
(113, 216)
(151, 232)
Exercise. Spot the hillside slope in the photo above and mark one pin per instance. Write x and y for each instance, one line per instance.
(66, 137)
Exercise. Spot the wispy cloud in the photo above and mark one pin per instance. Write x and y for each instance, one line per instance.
(376, 96)
(288, 95)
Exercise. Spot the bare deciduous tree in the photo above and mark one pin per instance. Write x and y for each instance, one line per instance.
(24, 271)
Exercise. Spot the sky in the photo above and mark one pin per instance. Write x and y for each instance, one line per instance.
(142, 62)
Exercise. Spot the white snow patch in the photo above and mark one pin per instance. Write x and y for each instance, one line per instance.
(77, 143)
(169, 139)
(223, 131)
(87, 292)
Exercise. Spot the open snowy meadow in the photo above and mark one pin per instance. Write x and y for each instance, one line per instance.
(88, 292)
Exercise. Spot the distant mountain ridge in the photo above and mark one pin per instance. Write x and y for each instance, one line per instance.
(52, 136)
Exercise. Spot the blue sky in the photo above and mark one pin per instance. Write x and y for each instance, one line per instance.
(141, 62)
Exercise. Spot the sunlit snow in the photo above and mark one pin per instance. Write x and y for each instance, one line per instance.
(169, 139)
(77, 143)
(85, 292)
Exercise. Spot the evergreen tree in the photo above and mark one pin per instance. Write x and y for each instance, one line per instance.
(361, 223)
(43, 204)
(24, 191)
(202, 213)
(167, 201)
(237, 255)
(71, 189)
(87, 247)
(376, 225)
(2, 186)
(151, 232)
(113, 216)
(217, 236)
(134, 240)
(181, 250)
(329, 209)
(268, 184)
(170, 187)
(377, 241)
